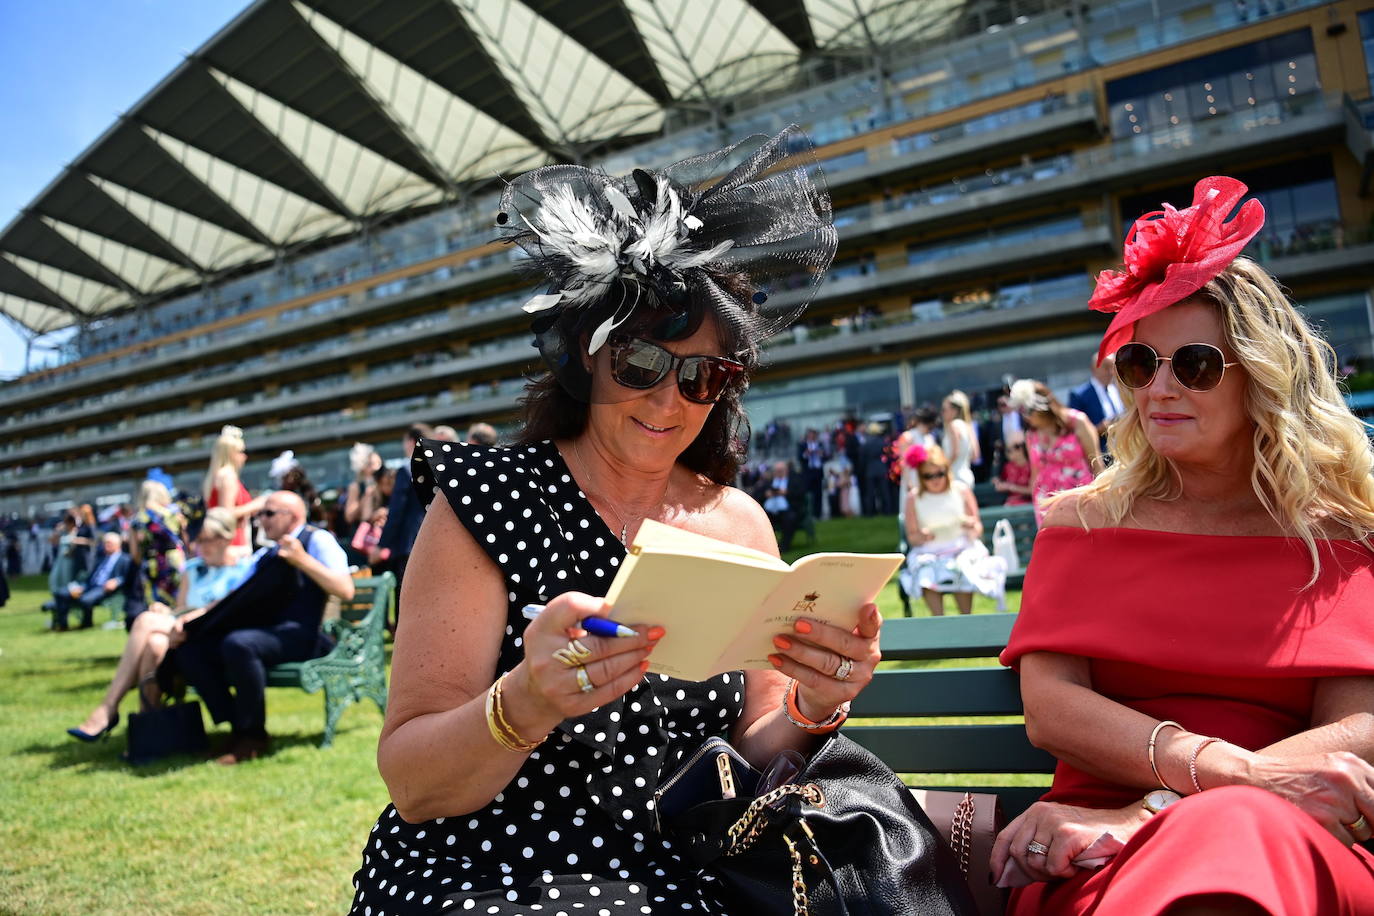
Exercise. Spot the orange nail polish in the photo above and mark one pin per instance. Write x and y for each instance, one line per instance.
(782, 642)
(802, 626)
(655, 633)
(644, 666)
(775, 661)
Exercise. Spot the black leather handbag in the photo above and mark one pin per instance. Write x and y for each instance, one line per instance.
(842, 837)
(165, 730)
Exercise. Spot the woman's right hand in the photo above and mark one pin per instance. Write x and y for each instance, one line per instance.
(542, 691)
(1334, 787)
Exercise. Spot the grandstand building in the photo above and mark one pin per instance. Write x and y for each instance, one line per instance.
(293, 231)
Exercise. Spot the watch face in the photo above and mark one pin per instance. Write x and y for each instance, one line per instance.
(1160, 799)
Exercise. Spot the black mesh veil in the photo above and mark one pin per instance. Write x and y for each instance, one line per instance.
(744, 234)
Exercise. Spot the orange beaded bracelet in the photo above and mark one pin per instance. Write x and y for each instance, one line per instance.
(794, 714)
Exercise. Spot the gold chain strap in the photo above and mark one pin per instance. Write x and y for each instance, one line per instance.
(800, 906)
(744, 832)
(961, 831)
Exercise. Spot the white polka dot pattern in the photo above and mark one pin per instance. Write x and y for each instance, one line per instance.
(573, 832)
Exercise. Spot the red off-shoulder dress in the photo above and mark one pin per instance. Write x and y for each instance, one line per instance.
(1218, 634)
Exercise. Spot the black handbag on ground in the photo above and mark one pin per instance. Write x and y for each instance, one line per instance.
(166, 730)
(841, 837)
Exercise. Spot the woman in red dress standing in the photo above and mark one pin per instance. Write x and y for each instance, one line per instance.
(1196, 638)
(222, 487)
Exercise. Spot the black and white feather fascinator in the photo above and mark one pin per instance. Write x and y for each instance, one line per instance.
(745, 233)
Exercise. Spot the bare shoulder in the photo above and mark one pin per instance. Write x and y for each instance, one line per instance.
(1075, 509)
(729, 514)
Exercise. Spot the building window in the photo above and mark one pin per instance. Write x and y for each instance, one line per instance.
(1299, 217)
(1262, 74)
(1366, 20)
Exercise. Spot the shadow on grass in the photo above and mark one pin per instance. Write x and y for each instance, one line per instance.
(108, 753)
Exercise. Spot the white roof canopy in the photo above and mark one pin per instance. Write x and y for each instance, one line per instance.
(305, 120)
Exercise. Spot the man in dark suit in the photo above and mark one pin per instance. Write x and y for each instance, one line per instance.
(812, 455)
(871, 470)
(273, 616)
(404, 513)
(1099, 398)
(783, 501)
(111, 571)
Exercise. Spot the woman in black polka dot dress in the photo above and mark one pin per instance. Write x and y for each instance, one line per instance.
(522, 756)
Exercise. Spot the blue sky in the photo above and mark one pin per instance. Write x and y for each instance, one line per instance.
(67, 69)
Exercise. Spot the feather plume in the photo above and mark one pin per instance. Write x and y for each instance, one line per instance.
(540, 303)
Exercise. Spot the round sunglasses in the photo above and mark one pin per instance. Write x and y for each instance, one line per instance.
(1197, 366)
(640, 364)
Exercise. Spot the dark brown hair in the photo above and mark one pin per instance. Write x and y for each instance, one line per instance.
(548, 411)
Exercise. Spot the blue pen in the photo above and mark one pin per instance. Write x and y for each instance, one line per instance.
(597, 626)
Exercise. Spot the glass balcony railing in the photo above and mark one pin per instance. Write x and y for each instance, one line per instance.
(1076, 288)
(259, 401)
(172, 452)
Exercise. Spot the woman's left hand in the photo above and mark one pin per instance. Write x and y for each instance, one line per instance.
(1065, 831)
(815, 652)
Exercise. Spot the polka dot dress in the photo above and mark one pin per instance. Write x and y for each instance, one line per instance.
(574, 834)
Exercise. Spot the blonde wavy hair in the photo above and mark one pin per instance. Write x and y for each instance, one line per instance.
(221, 454)
(1312, 457)
(220, 522)
(152, 493)
(959, 401)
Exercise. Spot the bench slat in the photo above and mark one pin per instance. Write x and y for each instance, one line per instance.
(954, 748)
(941, 692)
(1015, 799)
(957, 636)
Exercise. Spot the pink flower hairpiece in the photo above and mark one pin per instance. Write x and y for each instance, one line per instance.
(1170, 254)
(915, 456)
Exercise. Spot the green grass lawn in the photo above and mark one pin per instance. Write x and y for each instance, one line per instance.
(86, 833)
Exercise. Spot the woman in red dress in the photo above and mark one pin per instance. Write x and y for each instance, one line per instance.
(222, 487)
(1196, 638)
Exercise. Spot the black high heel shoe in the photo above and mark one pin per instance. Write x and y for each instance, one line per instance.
(95, 736)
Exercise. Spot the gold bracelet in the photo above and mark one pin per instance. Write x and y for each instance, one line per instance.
(1192, 759)
(504, 723)
(521, 744)
(500, 729)
(1154, 735)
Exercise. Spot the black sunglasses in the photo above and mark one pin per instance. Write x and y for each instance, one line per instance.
(267, 513)
(1197, 366)
(637, 363)
(933, 475)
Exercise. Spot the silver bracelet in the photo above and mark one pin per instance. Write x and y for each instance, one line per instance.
(839, 715)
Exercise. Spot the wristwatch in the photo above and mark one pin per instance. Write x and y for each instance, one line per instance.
(1160, 799)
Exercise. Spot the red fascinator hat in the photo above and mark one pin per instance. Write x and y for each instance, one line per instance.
(915, 456)
(1171, 254)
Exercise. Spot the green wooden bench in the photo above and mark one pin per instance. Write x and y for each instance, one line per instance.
(983, 691)
(356, 667)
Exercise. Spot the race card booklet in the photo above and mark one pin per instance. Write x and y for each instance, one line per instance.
(721, 604)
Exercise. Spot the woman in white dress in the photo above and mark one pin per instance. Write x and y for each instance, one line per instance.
(944, 530)
(958, 440)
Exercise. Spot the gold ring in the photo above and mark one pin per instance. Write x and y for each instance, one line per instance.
(584, 683)
(1036, 848)
(843, 671)
(573, 654)
(1357, 824)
